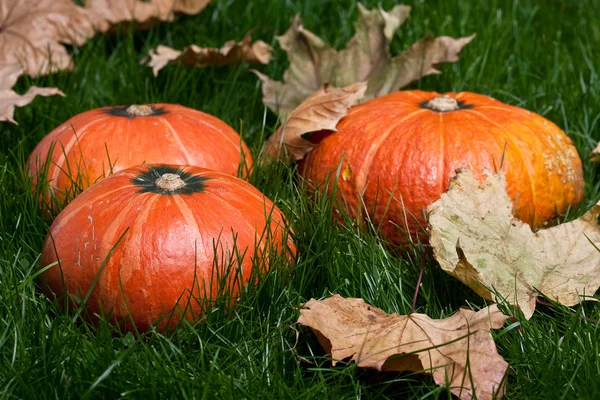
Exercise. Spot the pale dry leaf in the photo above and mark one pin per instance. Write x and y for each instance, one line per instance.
(321, 110)
(366, 57)
(109, 15)
(232, 52)
(476, 238)
(9, 99)
(32, 34)
(458, 351)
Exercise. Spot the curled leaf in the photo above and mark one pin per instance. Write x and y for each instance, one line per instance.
(232, 52)
(9, 99)
(458, 351)
(322, 110)
(476, 238)
(112, 14)
(33, 34)
(366, 57)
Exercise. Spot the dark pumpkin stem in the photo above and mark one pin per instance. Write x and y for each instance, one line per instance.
(443, 103)
(169, 182)
(136, 110)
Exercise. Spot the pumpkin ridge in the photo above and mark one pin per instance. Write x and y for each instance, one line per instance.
(140, 220)
(443, 157)
(66, 218)
(60, 163)
(361, 176)
(112, 232)
(190, 220)
(513, 110)
(234, 209)
(525, 161)
(167, 124)
(219, 131)
(234, 182)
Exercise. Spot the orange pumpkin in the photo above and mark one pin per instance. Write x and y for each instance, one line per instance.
(398, 152)
(95, 143)
(180, 229)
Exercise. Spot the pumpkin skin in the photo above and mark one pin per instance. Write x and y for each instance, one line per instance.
(85, 146)
(398, 152)
(168, 246)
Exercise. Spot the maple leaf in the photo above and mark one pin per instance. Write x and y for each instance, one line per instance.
(109, 15)
(459, 350)
(321, 110)
(32, 34)
(366, 57)
(232, 52)
(9, 99)
(476, 238)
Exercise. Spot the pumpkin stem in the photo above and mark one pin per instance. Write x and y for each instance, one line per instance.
(170, 182)
(443, 103)
(139, 110)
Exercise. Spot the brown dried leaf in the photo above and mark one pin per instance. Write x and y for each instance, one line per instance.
(112, 14)
(231, 53)
(476, 238)
(366, 57)
(322, 110)
(33, 32)
(9, 99)
(458, 350)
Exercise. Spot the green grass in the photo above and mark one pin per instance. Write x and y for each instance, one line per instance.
(541, 55)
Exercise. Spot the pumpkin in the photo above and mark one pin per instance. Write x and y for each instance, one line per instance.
(186, 234)
(397, 153)
(98, 142)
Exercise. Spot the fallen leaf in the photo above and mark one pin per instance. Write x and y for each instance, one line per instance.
(9, 99)
(321, 110)
(231, 53)
(458, 350)
(113, 14)
(476, 238)
(32, 33)
(366, 57)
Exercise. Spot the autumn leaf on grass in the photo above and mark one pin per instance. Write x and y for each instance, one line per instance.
(458, 351)
(476, 238)
(112, 14)
(322, 110)
(366, 57)
(32, 34)
(9, 99)
(232, 52)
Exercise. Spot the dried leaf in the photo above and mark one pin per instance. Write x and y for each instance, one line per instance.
(476, 239)
(366, 57)
(322, 110)
(112, 14)
(9, 99)
(231, 53)
(33, 32)
(459, 350)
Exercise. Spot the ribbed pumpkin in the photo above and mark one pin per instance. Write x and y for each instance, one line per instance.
(398, 152)
(95, 143)
(174, 222)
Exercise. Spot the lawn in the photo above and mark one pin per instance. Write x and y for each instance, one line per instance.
(542, 55)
